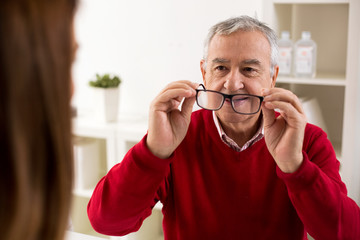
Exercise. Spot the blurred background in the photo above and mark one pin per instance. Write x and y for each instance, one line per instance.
(148, 43)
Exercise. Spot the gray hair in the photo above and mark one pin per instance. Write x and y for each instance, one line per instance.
(246, 24)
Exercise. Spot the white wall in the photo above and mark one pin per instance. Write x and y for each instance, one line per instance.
(148, 43)
(355, 191)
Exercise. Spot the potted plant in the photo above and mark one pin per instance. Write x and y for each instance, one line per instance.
(106, 96)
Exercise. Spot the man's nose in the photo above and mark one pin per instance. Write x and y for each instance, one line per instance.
(234, 81)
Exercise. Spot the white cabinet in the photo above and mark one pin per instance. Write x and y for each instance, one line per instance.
(97, 147)
(334, 26)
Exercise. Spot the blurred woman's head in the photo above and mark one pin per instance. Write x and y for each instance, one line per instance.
(36, 53)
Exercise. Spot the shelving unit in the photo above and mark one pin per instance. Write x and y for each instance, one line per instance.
(113, 141)
(334, 27)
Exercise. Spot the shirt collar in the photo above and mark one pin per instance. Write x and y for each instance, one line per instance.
(231, 143)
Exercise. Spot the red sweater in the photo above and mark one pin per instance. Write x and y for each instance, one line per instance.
(210, 191)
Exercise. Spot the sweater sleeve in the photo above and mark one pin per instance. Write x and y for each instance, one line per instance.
(126, 195)
(318, 194)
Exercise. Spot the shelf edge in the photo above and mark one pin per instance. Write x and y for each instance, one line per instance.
(310, 1)
(313, 81)
(85, 193)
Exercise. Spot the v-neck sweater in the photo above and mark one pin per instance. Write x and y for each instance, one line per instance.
(209, 191)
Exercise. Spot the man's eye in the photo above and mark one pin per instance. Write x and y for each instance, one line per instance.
(220, 68)
(250, 72)
(249, 69)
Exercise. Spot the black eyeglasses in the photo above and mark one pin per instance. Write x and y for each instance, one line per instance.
(241, 103)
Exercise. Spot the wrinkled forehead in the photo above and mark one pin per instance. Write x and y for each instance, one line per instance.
(241, 43)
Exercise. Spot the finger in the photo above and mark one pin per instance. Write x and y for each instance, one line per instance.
(171, 99)
(177, 90)
(177, 94)
(279, 94)
(291, 115)
(187, 106)
(182, 84)
(268, 115)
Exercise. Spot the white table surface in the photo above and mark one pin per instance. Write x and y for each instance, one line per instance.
(78, 236)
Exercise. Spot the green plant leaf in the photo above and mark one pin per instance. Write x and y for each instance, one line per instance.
(105, 81)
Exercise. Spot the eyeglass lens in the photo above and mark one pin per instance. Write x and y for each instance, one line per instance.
(245, 104)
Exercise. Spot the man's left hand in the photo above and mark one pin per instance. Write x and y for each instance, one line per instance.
(284, 135)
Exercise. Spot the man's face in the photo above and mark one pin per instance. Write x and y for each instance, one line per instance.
(238, 63)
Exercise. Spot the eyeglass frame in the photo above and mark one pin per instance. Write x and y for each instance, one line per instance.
(228, 96)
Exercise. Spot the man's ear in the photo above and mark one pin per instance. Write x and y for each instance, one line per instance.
(203, 68)
(275, 75)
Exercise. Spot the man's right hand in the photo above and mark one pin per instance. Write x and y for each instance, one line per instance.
(167, 124)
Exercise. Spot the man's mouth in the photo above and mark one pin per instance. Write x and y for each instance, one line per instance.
(237, 100)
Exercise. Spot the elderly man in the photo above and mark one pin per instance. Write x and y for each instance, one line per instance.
(235, 169)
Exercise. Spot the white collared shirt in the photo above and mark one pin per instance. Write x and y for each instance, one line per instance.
(231, 143)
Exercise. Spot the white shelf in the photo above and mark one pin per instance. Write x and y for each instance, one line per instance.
(86, 193)
(310, 1)
(116, 134)
(79, 236)
(334, 80)
(119, 137)
(131, 126)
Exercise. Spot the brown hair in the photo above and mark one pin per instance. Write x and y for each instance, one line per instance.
(36, 53)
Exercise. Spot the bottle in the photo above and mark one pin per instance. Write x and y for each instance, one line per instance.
(305, 56)
(285, 54)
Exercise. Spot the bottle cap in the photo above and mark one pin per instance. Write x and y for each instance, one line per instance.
(285, 35)
(306, 35)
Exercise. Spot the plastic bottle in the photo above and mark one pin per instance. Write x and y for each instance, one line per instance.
(285, 59)
(305, 56)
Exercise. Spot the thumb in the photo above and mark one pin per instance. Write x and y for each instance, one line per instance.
(268, 115)
(187, 106)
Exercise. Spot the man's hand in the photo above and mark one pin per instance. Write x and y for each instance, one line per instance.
(167, 124)
(284, 135)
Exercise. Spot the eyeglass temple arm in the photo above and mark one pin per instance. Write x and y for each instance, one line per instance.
(202, 85)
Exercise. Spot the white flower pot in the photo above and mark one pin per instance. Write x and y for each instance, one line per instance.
(106, 104)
